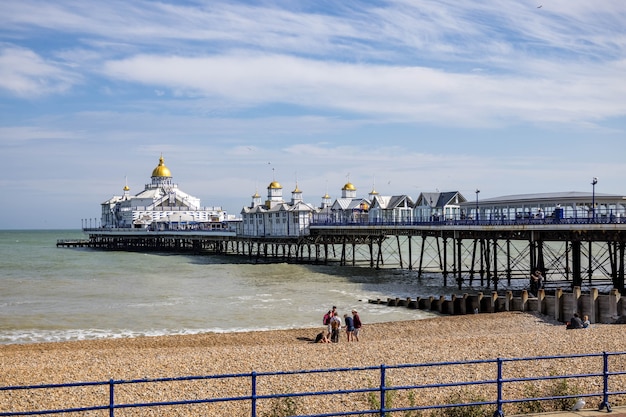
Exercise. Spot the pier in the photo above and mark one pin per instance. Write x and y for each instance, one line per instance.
(575, 239)
(495, 255)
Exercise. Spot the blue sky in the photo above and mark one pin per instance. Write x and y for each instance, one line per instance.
(403, 96)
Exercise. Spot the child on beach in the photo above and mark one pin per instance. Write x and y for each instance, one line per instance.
(586, 322)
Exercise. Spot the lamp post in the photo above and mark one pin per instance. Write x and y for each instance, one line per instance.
(594, 181)
(477, 216)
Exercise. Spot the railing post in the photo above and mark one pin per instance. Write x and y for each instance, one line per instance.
(382, 390)
(111, 398)
(253, 391)
(605, 389)
(499, 412)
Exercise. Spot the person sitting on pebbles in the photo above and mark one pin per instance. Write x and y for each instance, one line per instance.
(321, 338)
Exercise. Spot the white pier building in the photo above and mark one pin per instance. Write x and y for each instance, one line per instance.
(160, 206)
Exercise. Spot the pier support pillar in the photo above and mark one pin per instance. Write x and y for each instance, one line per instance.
(577, 278)
(445, 262)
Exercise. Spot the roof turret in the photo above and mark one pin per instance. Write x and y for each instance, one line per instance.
(349, 187)
(161, 170)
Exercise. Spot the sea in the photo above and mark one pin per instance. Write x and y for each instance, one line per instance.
(50, 294)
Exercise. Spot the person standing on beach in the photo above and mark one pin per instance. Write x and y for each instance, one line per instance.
(327, 319)
(349, 327)
(356, 321)
(335, 325)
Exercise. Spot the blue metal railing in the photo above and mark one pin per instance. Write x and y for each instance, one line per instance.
(383, 404)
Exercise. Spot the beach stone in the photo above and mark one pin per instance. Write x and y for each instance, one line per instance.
(439, 339)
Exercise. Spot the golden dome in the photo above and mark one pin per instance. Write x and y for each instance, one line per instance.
(274, 185)
(349, 187)
(326, 196)
(126, 188)
(161, 170)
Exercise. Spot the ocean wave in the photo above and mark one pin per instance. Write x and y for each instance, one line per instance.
(55, 336)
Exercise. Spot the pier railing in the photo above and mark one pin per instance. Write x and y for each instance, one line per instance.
(498, 386)
(324, 220)
(494, 221)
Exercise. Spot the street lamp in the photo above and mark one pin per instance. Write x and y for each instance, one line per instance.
(594, 181)
(477, 216)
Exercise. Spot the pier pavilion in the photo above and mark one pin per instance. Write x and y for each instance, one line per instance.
(160, 205)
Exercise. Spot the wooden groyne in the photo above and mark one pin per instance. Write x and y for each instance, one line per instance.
(558, 304)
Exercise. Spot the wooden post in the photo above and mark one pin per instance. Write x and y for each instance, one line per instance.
(614, 297)
(570, 303)
(541, 299)
(557, 304)
(425, 303)
(472, 303)
(494, 300)
(576, 292)
(463, 304)
(593, 298)
(524, 300)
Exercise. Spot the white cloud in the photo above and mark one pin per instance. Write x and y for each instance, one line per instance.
(408, 94)
(26, 74)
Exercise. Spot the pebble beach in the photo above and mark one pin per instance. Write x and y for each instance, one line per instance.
(446, 338)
